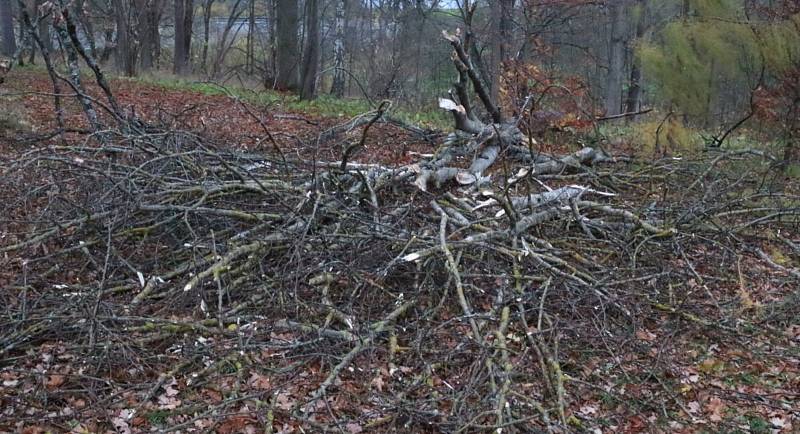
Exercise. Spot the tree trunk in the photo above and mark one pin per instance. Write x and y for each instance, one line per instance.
(9, 46)
(338, 85)
(287, 55)
(184, 14)
(44, 28)
(86, 25)
(616, 59)
(633, 100)
(271, 67)
(310, 51)
(206, 33)
(150, 36)
(27, 44)
(251, 28)
(502, 11)
(126, 53)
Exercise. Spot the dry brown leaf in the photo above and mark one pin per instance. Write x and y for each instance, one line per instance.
(55, 381)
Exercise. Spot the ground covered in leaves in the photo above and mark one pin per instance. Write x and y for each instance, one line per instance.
(212, 268)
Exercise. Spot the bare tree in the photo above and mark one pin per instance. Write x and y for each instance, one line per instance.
(251, 31)
(127, 44)
(310, 66)
(501, 39)
(337, 87)
(44, 28)
(287, 50)
(184, 14)
(9, 45)
(225, 43)
(86, 25)
(206, 33)
(616, 59)
(632, 102)
(149, 35)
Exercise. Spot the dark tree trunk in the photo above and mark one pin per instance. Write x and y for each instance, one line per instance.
(27, 45)
(311, 51)
(502, 11)
(206, 33)
(633, 100)
(270, 68)
(251, 28)
(149, 34)
(287, 50)
(184, 14)
(9, 45)
(127, 49)
(339, 79)
(616, 59)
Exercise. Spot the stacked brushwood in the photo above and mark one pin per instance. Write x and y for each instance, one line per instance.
(139, 244)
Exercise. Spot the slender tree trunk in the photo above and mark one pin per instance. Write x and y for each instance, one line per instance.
(184, 15)
(339, 78)
(310, 51)
(251, 28)
(27, 45)
(44, 27)
(9, 45)
(633, 100)
(86, 25)
(206, 33)
(272, 66)
(149, 34)
(126, 53)
(616, 59)
(287, 55)
(502, 11)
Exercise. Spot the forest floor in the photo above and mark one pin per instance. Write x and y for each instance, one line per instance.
(710, 341)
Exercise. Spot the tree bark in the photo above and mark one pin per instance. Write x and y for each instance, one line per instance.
(184, 14)
(206, 33)
(9, 45)
(127, 49)
(633, 100)
(502, 11)
(150, 35)
(310, 52)
(616, 59)
(251, 29)
(338, 85)
(271, 70)
(45, 36)
(86, 25)
(287, 50)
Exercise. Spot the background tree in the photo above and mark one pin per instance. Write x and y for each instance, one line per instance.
(501, 39)
(127, 43)
(287, 55)
(9, 42)
(338, 84)
(207, 4)
(633, 100)
(724, 50)
(184, 16)
(310, 67)
(149, 33)
(616, 57)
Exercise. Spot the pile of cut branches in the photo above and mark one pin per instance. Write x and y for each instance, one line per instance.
(153, 278)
